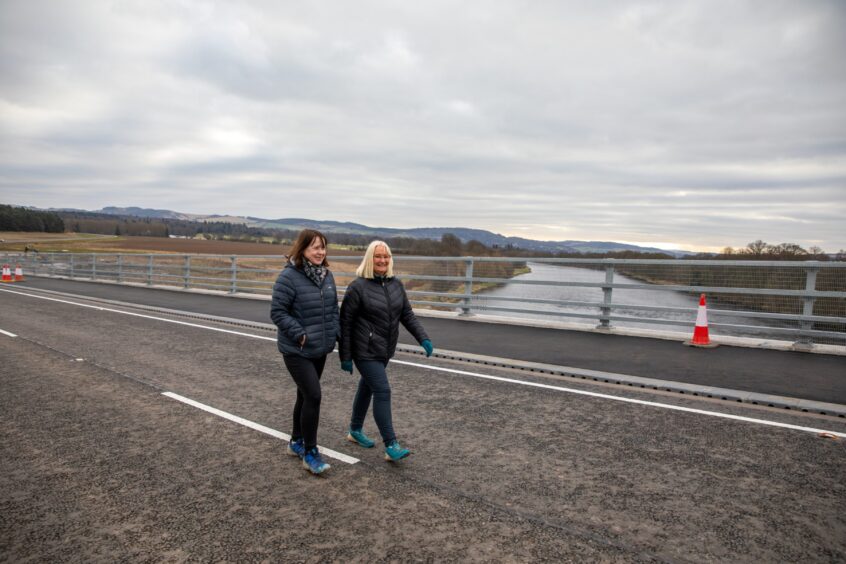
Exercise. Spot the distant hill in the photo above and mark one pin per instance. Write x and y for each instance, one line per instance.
(145, 212)
(487, 238)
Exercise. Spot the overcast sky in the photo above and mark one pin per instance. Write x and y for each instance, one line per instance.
(693, 124)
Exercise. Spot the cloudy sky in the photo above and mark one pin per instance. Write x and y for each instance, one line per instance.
(693, 124)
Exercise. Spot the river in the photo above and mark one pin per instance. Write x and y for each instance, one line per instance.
(548, 272)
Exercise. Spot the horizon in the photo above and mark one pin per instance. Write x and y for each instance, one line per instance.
(662, 245)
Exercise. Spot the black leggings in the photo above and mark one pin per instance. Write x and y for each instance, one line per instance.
(306, 373)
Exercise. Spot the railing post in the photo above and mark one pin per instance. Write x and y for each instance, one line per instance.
(805, 342)
(605, 310)
(71, 265)
(468, 286)
(150, 270)
(93, 266)
(234, 283)
(187, 277)
(120, 269)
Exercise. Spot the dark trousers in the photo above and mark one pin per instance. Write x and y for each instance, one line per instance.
(306, 373)
(373, 384)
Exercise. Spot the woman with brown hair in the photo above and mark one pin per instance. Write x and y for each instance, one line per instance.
(304, 309)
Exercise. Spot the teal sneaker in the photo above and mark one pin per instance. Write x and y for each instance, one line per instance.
(394, 452)
(296, 447)
(313, 462)
(360, 438)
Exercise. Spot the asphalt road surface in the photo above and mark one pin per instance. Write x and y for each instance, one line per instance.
(97, 464)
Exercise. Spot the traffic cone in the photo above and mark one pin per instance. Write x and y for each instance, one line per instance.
(700, 331)
(7, 274)
(19, 275)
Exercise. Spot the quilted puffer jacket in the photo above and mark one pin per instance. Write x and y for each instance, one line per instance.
(301, 307)
(370, 316)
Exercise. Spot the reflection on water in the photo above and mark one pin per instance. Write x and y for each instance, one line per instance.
(549, 272)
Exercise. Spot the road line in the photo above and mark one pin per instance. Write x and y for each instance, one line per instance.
(474, 374)
(99, 308)
(626, 400)
(7, 333)
(255, 426)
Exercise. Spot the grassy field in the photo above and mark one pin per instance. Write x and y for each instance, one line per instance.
(16, 240)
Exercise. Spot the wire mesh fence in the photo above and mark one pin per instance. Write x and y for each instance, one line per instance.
(802, 301)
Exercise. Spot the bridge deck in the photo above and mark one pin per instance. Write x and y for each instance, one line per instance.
(800, 375)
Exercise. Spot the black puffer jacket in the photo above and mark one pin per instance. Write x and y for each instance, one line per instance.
(300, 307)
(370, 316)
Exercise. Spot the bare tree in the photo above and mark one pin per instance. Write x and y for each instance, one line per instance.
(757, 248)
(788, 250)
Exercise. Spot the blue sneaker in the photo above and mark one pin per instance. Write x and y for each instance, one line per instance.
(296, 447)
(313, 462)
(394, 452)
(360, 438)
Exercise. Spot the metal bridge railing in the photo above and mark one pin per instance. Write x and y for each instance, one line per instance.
(803, 301)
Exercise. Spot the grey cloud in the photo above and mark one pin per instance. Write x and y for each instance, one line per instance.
(558, 119)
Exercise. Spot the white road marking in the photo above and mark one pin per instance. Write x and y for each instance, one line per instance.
(626, 400)
(133, 314)
(260, 428)
(477, 375)
(7, 333)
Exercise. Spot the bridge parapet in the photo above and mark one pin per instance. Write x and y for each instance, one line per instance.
(800, 300)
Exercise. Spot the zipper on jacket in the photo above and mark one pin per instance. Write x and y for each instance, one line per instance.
(388, 301)
(323, 309)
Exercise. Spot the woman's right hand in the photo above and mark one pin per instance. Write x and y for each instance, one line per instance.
(303, 341)
(347, 366)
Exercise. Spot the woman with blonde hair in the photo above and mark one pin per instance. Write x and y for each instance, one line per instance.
(374, 305)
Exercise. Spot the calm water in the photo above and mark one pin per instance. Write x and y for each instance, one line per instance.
(548, 272)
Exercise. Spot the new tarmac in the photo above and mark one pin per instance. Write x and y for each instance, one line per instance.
(130, 435)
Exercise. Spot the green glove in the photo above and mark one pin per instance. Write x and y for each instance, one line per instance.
(428, 347)
(346, 366)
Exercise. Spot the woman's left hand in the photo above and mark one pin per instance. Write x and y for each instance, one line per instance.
(428, 347)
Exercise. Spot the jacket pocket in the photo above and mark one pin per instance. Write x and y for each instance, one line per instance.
(377, 344)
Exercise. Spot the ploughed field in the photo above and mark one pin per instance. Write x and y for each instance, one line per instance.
(83, 242)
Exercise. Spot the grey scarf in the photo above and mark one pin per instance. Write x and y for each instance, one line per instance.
(315, 273)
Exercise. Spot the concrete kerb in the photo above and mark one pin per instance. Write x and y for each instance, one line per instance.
(627, 380)
(746, 342)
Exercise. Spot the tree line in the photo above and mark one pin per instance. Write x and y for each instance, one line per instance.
(761, 250)
(13, 218)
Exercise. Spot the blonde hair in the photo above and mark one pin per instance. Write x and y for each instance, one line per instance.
(365, 269)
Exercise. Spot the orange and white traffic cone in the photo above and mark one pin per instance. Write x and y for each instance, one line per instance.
(19, 275)
(700, 331)
(7, 274)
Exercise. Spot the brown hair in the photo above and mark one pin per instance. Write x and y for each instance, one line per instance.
(304, 241)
